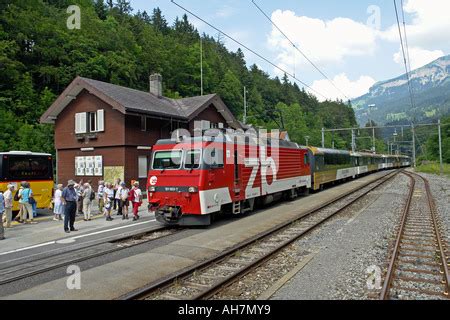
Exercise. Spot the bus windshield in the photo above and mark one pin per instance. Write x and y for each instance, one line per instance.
(26, 167)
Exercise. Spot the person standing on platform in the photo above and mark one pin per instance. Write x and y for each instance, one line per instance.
(115, 188)
(118, 200)
(58, 205)
(87, 201)
(136, 200)
(26, 199)
(79, 189)
(19, 217)
(8, 195)
(100, 190)
(124, 194)
(109, 199)
(69, 199)
(2, 211)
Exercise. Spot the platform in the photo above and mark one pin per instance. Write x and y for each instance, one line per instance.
(111, 280)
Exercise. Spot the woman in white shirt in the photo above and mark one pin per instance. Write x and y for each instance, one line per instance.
(58, 206)
(124, 194)
(108, 196)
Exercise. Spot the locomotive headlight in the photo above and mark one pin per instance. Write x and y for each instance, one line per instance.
(152, 189)
(192, 189)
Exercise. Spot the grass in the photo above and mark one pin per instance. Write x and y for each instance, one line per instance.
(433, 167)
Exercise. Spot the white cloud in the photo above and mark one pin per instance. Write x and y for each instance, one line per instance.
(429, 26)
(322, 41)
(352, 89)
(418, 56)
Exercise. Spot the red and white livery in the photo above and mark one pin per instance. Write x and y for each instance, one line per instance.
(192, 179)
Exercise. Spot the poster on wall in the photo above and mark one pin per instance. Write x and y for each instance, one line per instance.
(112, 173)
(98, 166)
(89, 161)
(80, 166)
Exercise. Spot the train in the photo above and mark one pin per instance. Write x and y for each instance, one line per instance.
(191, 180)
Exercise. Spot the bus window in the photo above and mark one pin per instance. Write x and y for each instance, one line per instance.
(28, 168)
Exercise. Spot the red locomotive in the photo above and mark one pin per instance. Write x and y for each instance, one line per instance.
(193, 178)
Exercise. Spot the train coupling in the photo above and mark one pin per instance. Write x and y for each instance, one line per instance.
(168, 214)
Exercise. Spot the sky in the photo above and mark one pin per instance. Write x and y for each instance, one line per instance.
(355, 43)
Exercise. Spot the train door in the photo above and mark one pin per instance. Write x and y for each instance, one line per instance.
(237, 176)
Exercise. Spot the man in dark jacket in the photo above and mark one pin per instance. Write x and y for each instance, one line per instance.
(69, 198)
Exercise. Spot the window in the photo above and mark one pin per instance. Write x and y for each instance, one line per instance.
(90, 122)
(142, 165)
(167, 160)
(29, 167)
(213, 157)
(192, 159)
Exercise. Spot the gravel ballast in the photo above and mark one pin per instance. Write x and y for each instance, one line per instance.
(350, 248)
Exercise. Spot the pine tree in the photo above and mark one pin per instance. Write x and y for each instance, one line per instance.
(101, 9)
(159, 22)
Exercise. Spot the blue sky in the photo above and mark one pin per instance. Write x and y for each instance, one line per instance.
(351, 43)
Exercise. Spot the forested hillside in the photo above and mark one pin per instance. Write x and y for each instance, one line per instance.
(40, 56)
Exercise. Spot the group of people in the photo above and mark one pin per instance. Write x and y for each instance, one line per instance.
(75, 197)
(110, 197)
(27, 205)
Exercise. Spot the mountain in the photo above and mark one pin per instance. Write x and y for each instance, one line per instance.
(431, 92)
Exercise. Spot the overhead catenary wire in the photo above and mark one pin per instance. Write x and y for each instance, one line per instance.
(406, 37)
(404, 55)
(298, 49)
(249, 49)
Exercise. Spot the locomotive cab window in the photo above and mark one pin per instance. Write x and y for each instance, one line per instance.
(192, 159)
(213, 157)
(164, 160)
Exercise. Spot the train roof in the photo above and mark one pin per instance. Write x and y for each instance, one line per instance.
(227, 139)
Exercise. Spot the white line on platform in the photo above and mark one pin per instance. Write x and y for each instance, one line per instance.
(73, 239)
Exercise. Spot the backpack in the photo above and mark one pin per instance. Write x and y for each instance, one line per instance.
(92, 197)
(131, 196)
(16, 196)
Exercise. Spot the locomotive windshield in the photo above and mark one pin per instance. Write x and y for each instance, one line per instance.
(167, 160)
(192, 159)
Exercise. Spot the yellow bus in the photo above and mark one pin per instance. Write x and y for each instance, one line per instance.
(35, 168)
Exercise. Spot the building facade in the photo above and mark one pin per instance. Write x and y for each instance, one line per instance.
(104, 131)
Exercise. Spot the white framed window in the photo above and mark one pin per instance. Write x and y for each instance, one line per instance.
(143, 166)
(90, 122)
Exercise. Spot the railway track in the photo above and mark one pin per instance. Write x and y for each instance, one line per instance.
(419, 263)
(209, 277)
(42, 265)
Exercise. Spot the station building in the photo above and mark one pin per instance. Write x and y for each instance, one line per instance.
(105, 131)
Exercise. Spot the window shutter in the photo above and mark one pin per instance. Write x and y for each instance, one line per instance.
(83, 122)
(77, 123)
(100, 120)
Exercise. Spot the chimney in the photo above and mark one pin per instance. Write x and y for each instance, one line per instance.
(156, 84)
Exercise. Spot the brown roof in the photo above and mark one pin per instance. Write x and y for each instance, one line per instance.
(128, 100)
